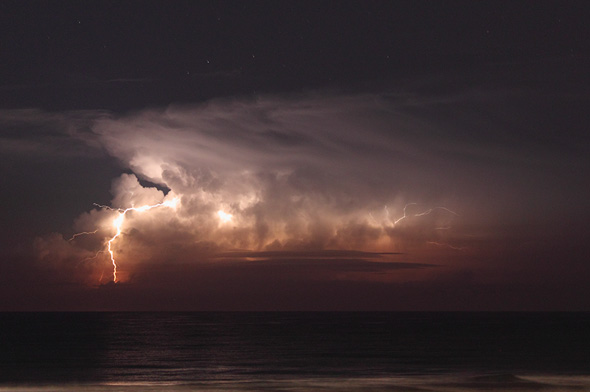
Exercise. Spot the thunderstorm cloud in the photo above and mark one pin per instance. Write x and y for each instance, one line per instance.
(384, 174)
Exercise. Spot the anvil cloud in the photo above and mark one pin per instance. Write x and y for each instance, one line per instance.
(286, 174)
(330, 187)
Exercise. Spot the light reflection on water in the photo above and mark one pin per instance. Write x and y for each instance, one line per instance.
(446, 383)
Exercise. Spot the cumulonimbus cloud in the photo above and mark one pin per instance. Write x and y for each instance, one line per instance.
(274, 174)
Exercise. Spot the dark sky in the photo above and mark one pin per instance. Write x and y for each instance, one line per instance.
(321, 155)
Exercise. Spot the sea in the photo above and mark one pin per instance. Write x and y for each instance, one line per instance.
(294, 351)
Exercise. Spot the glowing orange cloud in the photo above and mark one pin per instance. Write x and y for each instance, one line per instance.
(118, 224)
(262, 175)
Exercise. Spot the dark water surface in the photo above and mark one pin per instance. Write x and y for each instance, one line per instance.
(294, 351)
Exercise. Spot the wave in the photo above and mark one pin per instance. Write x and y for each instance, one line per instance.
(411, 383)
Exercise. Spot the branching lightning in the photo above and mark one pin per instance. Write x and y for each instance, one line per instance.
(119, 216)
(436, 208)
(394, 222)
(92, 257)
(106, 207)
(423, 213)
(82, 233)
(118, 224)
(446, 245)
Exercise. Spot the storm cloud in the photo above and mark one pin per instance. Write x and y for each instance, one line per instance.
(277, 177)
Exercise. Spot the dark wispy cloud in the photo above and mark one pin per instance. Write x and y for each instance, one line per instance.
(30, 133)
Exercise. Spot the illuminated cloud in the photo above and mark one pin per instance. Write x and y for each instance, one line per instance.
(298, 173)
(274, 174)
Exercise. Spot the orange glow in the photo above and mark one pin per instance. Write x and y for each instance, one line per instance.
(120, 219)
(224, 217)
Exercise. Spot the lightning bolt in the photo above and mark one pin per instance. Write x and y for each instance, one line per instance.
(435, 208)
(423, 213)
(82, 233)
(118, 224)
(405, 215)
(394, 222)
(446, 245)
(91, 257)
(120, 219)
(398, 220)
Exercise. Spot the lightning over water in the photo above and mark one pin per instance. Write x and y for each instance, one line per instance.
(294, 196)
(247, 183)
(117, 224)
(225, 219)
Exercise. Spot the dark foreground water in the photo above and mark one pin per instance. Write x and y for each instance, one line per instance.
(294, 351)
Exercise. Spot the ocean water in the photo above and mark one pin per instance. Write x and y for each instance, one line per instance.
(299, 351)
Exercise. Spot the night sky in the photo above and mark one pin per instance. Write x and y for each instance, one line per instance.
(295, 155)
